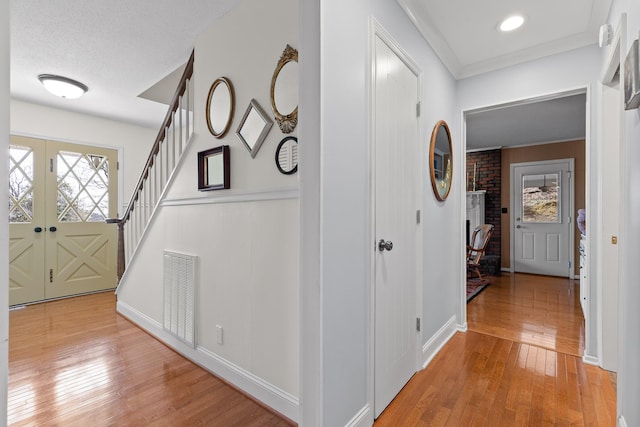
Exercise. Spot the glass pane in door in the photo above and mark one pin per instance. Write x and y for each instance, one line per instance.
(83, 187)
(540, 195)
(20, 184)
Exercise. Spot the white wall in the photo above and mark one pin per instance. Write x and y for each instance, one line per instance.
(247, 237)
(340, 319)
(558, 73)
(4, 225)
(135, 142)
(629, 369)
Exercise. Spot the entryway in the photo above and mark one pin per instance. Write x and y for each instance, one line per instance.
(60, 196)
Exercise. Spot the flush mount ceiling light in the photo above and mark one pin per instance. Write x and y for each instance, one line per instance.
(62, 86)
(511, 23)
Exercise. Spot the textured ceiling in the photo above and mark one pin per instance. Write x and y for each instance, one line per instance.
(118, 48)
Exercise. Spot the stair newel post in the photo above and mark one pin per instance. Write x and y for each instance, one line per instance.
(120, 254)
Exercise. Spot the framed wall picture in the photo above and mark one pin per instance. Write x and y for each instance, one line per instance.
(214, 169)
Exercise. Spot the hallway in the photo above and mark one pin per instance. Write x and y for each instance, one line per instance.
(517, 365)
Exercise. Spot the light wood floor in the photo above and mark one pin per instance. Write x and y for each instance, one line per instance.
(539, 310)
(75, 362)
(517, 365)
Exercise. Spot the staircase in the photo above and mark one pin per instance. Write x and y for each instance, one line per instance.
(173, 138)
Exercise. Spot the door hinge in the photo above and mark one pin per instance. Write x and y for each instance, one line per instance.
(50, 165)
(418, 109)
(569, 264)
(418, 216)
(51, 275)
(118, 165)
(569, 219)
(418, 324)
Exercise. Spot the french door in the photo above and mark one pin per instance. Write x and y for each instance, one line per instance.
(59, 197)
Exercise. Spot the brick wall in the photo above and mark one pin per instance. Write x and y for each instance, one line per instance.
(488, 175)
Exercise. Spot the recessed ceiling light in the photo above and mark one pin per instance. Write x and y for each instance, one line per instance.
(62, 86)
(511, 23)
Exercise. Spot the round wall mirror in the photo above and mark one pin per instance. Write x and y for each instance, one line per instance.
(287, 155)
(220, 106)
(441, 160)
(284, 90)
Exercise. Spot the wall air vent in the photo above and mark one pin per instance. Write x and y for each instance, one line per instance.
(179, 296)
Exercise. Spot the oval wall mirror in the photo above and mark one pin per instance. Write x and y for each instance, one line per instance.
(220, 107)
(287, 155)
(441, 160)
(284, 90)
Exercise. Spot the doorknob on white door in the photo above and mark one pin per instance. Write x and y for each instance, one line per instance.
(382, 245)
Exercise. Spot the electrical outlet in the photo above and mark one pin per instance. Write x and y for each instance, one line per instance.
(219, 334)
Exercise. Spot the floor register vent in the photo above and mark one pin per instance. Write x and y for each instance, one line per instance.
(179, 296)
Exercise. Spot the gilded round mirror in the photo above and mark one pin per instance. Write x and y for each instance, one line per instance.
(284, 90)
(220, 106)
(441, 160)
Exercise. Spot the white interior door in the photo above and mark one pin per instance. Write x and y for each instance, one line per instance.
(543, 211)
(396, 201)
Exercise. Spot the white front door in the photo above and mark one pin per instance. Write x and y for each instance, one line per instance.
(396, 201)
(543, 217)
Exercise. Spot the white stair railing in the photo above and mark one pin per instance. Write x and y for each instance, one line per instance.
(172, 139)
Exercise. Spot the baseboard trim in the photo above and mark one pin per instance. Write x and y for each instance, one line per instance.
(270, 395)
(362, 418)
(622, 422)
(464, 327)
(591, 360)
(438, 340)
(506, 270)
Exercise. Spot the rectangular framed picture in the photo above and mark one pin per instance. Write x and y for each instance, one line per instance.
(213, 169)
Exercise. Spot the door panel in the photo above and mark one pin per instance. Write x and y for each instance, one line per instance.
(396, 147)
(542, 208)
(26, 213)
(81, 252)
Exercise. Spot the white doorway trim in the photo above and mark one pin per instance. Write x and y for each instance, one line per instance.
(376, 30)
(590, 201)
(612, 66)
(571, 213)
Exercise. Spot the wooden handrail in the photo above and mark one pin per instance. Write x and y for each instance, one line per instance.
(173, 107)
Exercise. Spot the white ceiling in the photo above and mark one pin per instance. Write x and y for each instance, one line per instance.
(465, 35)
(122, 48)
(118, 48)
(560, 119)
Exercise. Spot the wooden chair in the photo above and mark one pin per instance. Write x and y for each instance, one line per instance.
(475, 251)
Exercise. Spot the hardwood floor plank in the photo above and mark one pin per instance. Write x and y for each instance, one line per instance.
(75, 362)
